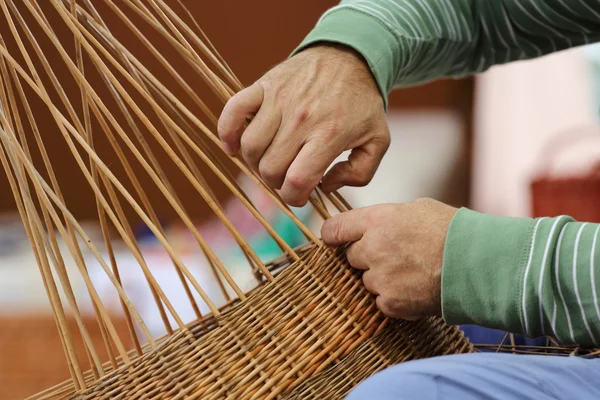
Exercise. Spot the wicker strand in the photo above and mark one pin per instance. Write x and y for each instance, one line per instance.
(299, 334)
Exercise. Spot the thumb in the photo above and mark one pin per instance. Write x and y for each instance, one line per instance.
(359, 169)
(346, 227)
(238, 110)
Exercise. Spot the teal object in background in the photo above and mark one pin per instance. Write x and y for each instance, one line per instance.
(264, 245)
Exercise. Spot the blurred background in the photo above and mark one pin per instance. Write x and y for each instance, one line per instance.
(506, 142)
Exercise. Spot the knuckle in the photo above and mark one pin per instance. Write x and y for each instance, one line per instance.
(337, 110)
(369, 281)
(225, 127)
(239, 99)
(268, 171)
(334, 230)
(361, 178)
(222, 128)
(330, 129)
(299, 181)
(284, 93)
(385, 306)
(352, 259)
(388, 306)
(380, 137)
(239, 102)
(225, 134)
(352, 254)
(266, 82)
(249, 149)
(386, 141)
(378, 213)
(375, 247)
(302, 113)
(331, 230)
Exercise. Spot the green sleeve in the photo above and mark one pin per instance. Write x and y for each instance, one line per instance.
(407, 42)
(532, 276)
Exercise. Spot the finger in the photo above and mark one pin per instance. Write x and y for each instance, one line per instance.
(359, 169)
(368, 279)
(349, 226)
(355, 255)
(283, 150)
(382, 306)
(241, 107)
(307, 169)
(392, 311)
(260, 133)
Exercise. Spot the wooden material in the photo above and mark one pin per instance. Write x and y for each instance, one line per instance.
(289, 338)
(550, 348)
(309, 317)
(252, 39)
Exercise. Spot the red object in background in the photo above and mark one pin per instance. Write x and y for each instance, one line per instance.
(576, 196)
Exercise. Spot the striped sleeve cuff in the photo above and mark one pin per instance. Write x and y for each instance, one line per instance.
(536, 277)
(573, 314)
(482, 274)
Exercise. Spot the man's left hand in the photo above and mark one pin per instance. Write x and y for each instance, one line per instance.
(401, 248)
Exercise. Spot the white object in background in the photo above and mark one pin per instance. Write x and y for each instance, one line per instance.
(140, 295)
(519, 107)
(424, 151)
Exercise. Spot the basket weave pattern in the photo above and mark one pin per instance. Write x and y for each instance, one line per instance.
(315, 329)
(309, 329)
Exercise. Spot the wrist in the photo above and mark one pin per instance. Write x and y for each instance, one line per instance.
(445, 218)
(336, 51)
(346, 65)
(367, 36)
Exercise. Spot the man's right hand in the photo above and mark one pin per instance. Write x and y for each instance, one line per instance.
(304, 113)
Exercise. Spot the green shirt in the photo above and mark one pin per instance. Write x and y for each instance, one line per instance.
(531, 276)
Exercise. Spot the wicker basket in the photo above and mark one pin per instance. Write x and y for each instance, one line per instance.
(576, 196)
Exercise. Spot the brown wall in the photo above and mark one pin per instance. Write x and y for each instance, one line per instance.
(252, 37)
(31, 353)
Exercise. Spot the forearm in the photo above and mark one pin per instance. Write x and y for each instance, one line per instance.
(413, 41)
(538, 277)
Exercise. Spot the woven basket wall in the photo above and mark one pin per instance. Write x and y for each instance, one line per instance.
(314, 333)
(308, 329)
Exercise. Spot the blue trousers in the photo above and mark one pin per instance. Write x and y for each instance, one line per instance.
(485, 376)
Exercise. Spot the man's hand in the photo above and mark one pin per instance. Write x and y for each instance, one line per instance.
(305, 113)
(401, 248)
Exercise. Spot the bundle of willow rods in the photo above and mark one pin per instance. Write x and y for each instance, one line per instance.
(550, 348)
(307, 330)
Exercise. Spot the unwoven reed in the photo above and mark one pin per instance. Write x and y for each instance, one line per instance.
(309, 329)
